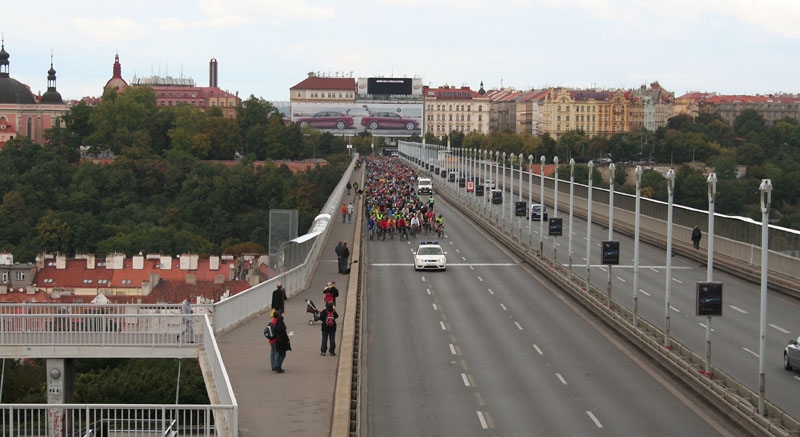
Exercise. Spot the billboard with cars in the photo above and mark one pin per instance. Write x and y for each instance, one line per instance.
(379, 119)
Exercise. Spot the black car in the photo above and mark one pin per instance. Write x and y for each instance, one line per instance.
(443, 173)
(496, 197)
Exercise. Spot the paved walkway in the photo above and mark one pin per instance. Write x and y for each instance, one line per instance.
(300, 401)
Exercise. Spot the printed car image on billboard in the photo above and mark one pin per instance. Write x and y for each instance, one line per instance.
(379, 119)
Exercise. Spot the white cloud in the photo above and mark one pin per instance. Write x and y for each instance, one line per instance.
(109, 28)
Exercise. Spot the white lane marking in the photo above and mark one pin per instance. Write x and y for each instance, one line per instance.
(444, 328)
(735, 308)
(434, 307)
(518, 326)
(797, 377)
(503, 307)
(558, 244)
(750, 352)
(451, 243)
(472, 267)
(779, 328)
(645, 293)
(423, 279)
(458, 251)
(484, 425)
(584, 238)
(674, 309)
(480, 278)
(653, 269)
(448, 264)
(491, 292)
(677, 280)
(584, 258)
(621, 280)
(428, 290)
(452, 349)
(704, 326)
(603, 269)
(465, 379)
(561, 378)
(538, 350)
(594, 419)
(597, 244)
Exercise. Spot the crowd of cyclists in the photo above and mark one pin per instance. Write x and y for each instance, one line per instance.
(392, 205)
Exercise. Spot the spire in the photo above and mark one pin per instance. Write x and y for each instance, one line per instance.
(3, 57)
(51, 74)
(117, 67)
(481, 91)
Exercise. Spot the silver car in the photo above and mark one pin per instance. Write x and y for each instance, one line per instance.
(791, 355)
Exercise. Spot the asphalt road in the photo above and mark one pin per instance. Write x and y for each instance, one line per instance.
(735, 335)
(486, 348)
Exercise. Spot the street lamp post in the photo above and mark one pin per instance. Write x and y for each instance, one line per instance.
(511, 194)
(519, 220)
(590, 164)
(485, 167)
(530, 193)
(503, 190)
(555, 205)
(496, 183)
(542, 160)
(638, 172)
(571, 208)
(712, 195)
(668, 283)
(611, 169)
(766, 199)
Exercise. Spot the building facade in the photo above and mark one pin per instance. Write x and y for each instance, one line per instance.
(448, 109)
(771, 107)
(319, 89)
(21, 112)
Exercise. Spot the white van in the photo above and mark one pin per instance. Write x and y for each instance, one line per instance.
(424, 186)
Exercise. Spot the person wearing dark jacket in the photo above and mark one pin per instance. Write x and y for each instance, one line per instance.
(332, 291)
(338, 251)
(278, 298)
(280, 344)
(328, 317)
(345, 253)
(696, 236)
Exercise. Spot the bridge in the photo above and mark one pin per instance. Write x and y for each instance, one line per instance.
(63, 333)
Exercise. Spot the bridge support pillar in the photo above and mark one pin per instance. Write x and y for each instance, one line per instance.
(60, 389)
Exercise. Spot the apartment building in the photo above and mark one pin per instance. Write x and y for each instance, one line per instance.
(448, 109)
(771, 107)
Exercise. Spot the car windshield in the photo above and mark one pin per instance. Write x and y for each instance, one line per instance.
(429, 251)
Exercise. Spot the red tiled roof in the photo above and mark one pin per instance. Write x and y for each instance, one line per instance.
(326, 83)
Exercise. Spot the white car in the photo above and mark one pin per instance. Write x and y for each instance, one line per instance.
(489, 184)
(430, 256)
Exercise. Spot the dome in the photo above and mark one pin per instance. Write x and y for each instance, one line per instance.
(52, 96)
(14, 92)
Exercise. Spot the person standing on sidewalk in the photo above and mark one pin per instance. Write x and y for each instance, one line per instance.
(278, 298)
(328, 317)
(338, 251)
(280, 344)
(697, 235)
(345, 253)
(188, 328)
(330, 293)
(344, 212)
(350, 212)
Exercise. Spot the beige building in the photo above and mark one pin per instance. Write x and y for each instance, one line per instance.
(651, 108)
(448, 109)
(319, 89)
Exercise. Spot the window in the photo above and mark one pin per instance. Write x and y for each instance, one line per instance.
(20, 276)
(558, 108)
(87, 281)
(126, 282)
(5, 277)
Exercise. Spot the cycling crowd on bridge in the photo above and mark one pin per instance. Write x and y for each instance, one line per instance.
(393, 206)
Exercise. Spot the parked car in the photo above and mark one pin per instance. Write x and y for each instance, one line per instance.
(539, 212)
(327, 120)
(388, 120)
(791, 355)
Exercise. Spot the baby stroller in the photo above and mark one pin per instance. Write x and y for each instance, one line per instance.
(312, 309)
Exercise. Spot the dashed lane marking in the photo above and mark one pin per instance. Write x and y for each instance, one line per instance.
(444, 327)
(490, 291)
(434, 307)
(480, 278)
(750, 352)
(561, 378)
(735, 308)
(518, 326)
(503, 307)
(465, 379)
(644, 292)
(621, 280)
(452, 349)
(539, 351)
(594, 419)
(448, 264)
(484, 425)
(779, 328)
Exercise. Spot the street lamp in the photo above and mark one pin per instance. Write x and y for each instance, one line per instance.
(521, 163)
(766, 199)
(496, 181)
(611, 169)
(504, 189)
(638, 172)
(542, 160)
(511, 194)
(555, 204)
(712, 195)
(668, 283)
(571, 208)
(590, 164)
(530, 193)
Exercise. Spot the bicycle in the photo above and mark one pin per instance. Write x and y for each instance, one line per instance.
(440, 230)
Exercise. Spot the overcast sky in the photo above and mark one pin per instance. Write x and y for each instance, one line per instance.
(264, 47)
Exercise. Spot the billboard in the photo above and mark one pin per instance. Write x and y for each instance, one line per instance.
(346, 119)
(389, 86)
(709, 299)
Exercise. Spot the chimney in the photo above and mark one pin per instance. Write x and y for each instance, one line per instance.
(61, 262)
(90, 264)
(138, 262)
(213, 262)
(212, 73)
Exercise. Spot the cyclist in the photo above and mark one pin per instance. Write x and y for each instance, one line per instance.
(371, 226)
(414, 226)
(401, 227)
(392, 224)
(439, 225)
(384, 223)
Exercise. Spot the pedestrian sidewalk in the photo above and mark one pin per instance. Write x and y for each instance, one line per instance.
(300, 401)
